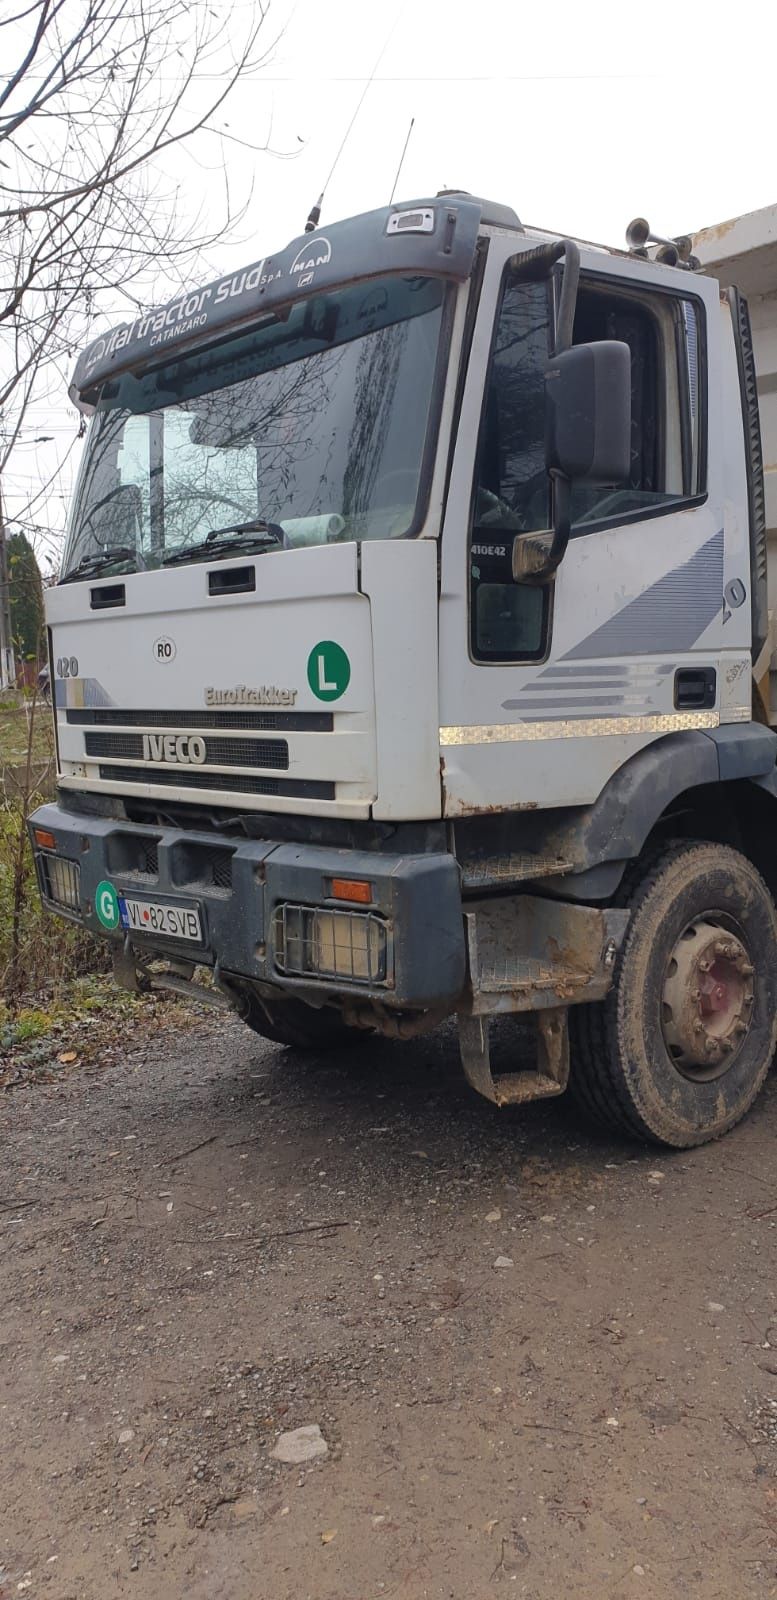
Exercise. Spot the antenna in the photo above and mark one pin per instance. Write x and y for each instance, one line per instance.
(315, 214)
(401, 159)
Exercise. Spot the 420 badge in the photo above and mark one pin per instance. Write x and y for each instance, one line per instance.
(329, 670)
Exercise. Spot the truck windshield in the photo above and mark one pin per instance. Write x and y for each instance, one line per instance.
(315, 423)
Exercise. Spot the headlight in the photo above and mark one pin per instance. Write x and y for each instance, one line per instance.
(313, 942)
(59, 881)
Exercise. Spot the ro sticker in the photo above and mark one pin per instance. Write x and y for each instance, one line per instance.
(106, 904)
(329, 670)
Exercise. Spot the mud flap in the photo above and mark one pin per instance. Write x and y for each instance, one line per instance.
(515, 1088)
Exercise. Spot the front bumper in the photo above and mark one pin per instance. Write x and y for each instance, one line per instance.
(267, 908)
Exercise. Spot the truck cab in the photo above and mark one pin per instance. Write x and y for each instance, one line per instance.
(410, 658)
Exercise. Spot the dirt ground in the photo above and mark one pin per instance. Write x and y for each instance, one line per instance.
(214, 1241)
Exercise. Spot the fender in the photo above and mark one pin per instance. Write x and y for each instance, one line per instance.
(582, 852)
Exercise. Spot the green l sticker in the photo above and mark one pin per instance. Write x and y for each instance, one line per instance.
(329, 670)
(106, 904)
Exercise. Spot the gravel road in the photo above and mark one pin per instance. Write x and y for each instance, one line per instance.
(212, 1241)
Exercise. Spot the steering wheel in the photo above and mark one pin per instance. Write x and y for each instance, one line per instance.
(493, 512)
(623, 500)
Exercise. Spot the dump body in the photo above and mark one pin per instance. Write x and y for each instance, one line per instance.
(743, 253)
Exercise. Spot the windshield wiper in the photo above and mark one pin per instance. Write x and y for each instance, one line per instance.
(90, 565)
(243, 536)
(254, 525)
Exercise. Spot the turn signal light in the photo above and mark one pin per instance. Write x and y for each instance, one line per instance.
(44, 839)
(352, 889)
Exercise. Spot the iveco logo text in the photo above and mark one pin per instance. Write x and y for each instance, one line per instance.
(183, 749)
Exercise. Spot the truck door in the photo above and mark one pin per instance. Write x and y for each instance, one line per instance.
(545, 690)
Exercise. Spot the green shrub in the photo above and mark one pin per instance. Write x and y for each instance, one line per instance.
(38, 951)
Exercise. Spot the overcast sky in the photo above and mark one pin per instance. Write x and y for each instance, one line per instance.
(581, 117)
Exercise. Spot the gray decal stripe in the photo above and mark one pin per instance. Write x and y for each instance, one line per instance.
(582, 686)
(669, 615)
(582, 673)
(565, 704)
(95, 694)
(80, 692)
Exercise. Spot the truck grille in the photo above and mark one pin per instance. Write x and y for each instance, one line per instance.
(218, 752)
(177, 721)
(185, 777)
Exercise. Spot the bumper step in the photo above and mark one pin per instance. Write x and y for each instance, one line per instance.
(515, 1088)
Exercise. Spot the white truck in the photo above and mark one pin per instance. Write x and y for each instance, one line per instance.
(411, 654)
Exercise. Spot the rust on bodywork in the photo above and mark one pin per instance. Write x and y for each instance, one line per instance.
(528, 954)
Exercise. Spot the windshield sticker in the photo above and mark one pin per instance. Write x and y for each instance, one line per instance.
(329, 670)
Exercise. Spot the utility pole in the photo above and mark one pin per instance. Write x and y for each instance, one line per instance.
(7, 662)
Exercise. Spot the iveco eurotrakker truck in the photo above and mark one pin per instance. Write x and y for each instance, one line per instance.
(411, 654)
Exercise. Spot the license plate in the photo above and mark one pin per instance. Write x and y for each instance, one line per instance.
(151, 916)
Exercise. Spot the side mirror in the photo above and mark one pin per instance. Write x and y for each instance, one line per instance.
(588, 413)
(587, 440)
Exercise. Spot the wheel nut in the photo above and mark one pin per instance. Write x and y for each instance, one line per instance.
(746, 968)
(711, 1046)
(704, 964)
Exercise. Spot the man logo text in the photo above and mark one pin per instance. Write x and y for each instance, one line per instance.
(184, 750)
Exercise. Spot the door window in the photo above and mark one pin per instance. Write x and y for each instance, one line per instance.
(508, 620)
(664, 333)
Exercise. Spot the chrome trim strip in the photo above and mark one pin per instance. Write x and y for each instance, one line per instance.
(579, 728)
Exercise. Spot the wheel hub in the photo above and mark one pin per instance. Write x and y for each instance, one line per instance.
(707, 999)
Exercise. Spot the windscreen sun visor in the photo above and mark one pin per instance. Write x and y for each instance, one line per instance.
(441, 244)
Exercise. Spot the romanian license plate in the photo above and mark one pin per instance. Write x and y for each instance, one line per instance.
(151, 916)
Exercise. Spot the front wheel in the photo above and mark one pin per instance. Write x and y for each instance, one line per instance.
(302, 1027)
(680, 1047)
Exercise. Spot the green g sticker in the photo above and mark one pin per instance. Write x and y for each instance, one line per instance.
(329, 670)
(106, 904)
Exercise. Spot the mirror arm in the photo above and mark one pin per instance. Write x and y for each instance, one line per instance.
(569, 284)
(536, 557)
(565, 323)
(562, 490)
(542, 560)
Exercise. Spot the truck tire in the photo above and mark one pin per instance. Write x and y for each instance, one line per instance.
(678, 1050)
(301, 1027)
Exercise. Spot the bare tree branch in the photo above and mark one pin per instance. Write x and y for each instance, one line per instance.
(101, 93)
